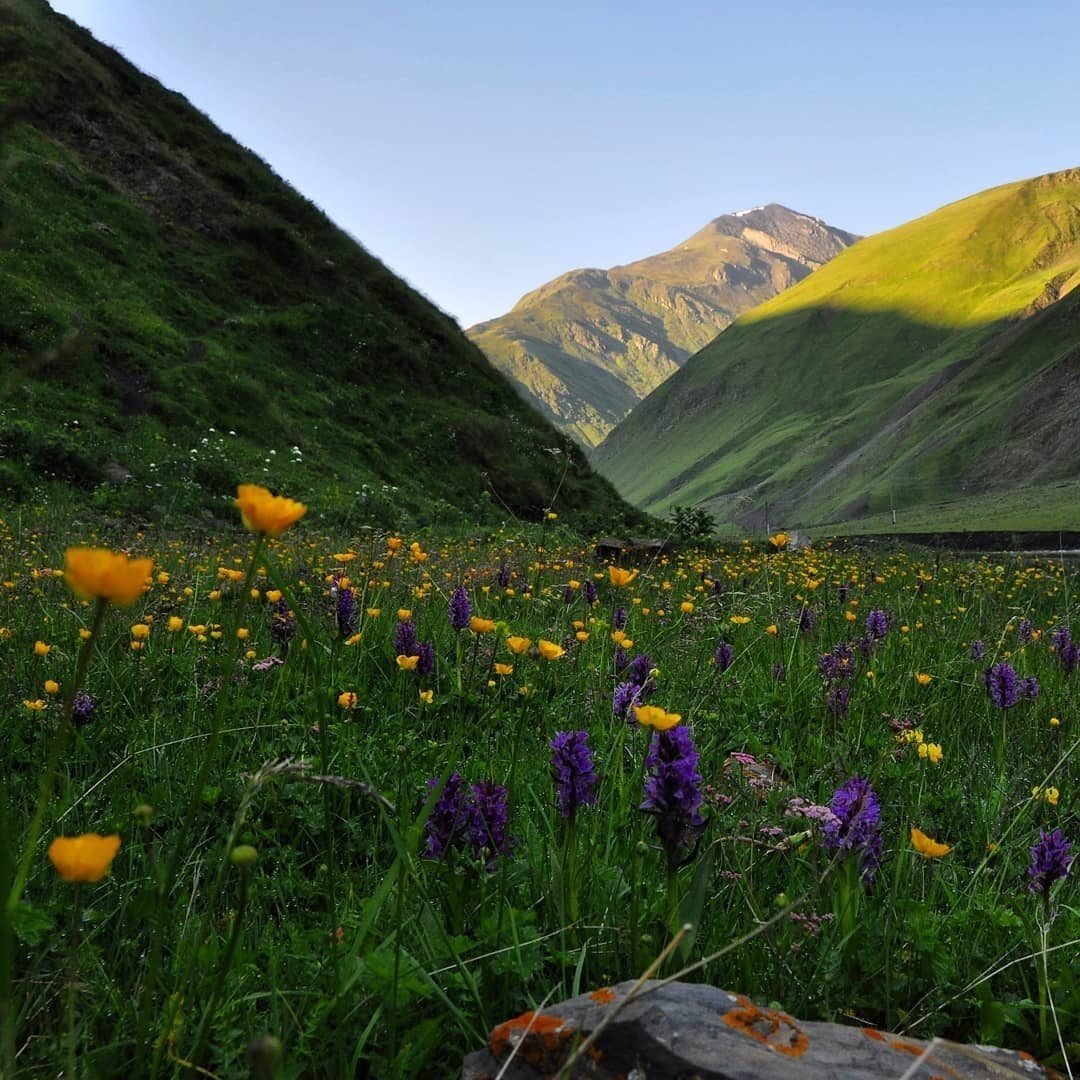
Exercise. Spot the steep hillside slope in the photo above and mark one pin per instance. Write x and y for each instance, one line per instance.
(175, 317)
(935, 361)
(586, 347)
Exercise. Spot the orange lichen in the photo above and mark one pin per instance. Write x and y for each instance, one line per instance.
(873, 1033)
(542, 1037)
(770, 1028)
(604, 996)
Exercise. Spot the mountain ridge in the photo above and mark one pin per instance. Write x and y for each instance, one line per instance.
(638, 322)
(162, 286)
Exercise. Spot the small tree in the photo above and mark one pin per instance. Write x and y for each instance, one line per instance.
(692, 523)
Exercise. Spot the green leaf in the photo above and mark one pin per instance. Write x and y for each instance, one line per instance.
(31, 924)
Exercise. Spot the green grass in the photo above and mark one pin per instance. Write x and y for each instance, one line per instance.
(159, 281)
(929, 360)
(365, 956)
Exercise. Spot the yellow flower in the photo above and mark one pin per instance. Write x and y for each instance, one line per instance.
(740, 620)
(374, 612)
(582, 635)
(1050, 795)
(83, 858)
(504, 669)
(931, 751)
(408, 663)
(779, 540)
(427, 696)
(548, 649)
(926, 847)
(393, 543)
(264, 512)
(52, 686)
(772, 629)
(404, 613)
(1055, 722)
(97, 573)
(655, 717)
(347, 700)
(620, 576)
(84, 634)
(922, 678)
(552, 516)
(197, 629)
(481, 626)
(175, 623)
(849, 615)
(34, 706)
(518, 645)
(686, 607)
(273, 595)
(354, 640)
(344, 556)
(41, 649)
(136, 646)
(140, 631)
(242, 633)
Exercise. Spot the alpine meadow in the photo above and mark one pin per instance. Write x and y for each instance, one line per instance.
(674, 676)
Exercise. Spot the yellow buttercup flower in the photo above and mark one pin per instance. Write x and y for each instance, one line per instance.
(481, 626)
(922, 678)
(779, 540)
(427, 696)
(408, 663)
(1050, 795)
(41, 649)
(772, 629)
(347, 700)
(504, 669)
(175, 623)
(740, 620)
(518, 645)
(262, 511)
(97, 573)
(34, 706)
(655, 717)
(140, 631)
(549, 650)
(929, 849)
(620, 576)
(404, 613)
(52, 686)
(83, 858)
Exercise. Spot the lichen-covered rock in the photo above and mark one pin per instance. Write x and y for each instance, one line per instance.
(695, 1032)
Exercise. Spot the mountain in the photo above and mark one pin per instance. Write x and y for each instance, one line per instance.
(588, 346)
(175, 318)
(935, 362)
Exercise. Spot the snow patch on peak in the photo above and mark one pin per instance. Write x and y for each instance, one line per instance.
(743, 213)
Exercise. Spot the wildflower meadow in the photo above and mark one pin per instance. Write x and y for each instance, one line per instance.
(282, 804)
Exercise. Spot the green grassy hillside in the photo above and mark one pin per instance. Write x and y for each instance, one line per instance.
(932, 363)
(588, 346)
(174, 318)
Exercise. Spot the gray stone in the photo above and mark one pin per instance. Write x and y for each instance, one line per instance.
(686, 1031)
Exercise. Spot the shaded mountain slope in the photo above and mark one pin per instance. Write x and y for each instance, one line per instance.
(586, 347)
(934, 361)
(157, 281)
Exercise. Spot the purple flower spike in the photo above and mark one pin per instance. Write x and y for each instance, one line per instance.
(1001, 685)
(673, 793)
(460, 609)
(978, 649)
(346, 612)
(572, 768)
(1051, 857)
(725, 656)
(487, 822)
(405, 641)
(856, 828)
(877, 624)
(447, 824)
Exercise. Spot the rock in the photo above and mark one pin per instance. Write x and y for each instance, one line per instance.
(635, 549)
(697, 1032)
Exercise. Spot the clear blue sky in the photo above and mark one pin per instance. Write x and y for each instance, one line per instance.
(480, 149)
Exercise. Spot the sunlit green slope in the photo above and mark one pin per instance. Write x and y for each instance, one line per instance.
(933, 362)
